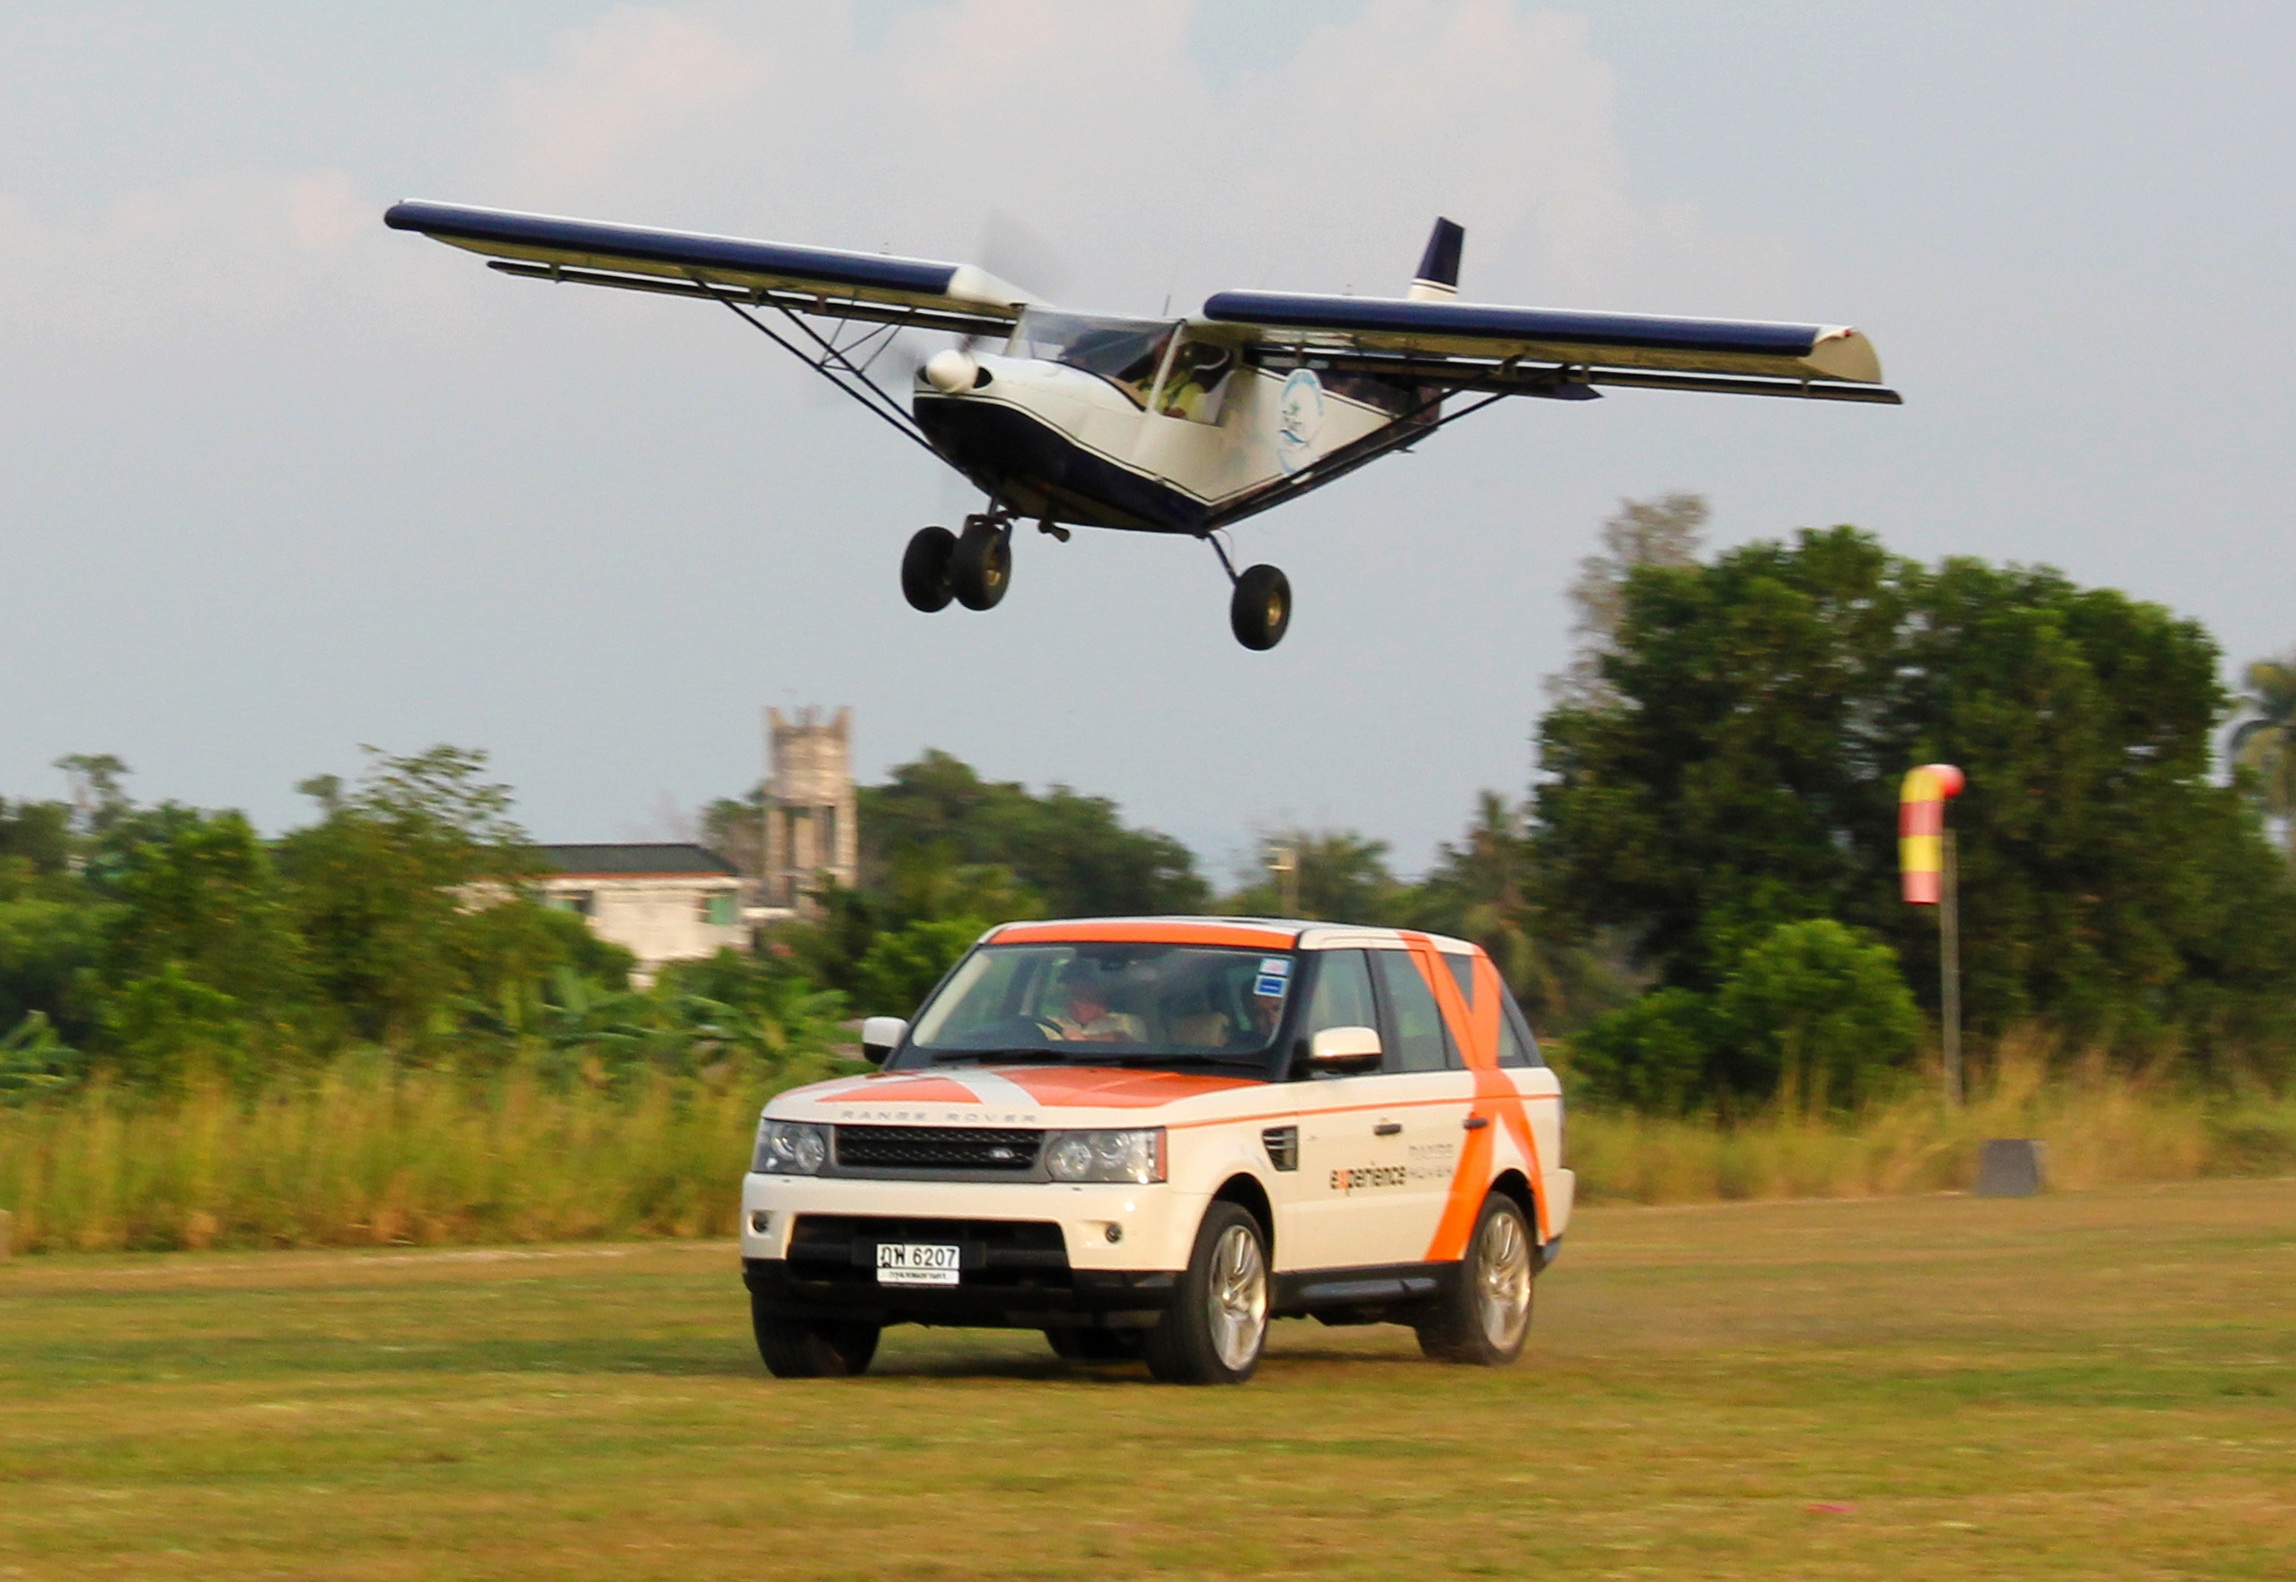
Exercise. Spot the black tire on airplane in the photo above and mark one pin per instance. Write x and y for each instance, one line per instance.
(925, 569)
(981, 569)
(1260, 611)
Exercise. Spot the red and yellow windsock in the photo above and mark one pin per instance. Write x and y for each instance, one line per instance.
(1921, 829)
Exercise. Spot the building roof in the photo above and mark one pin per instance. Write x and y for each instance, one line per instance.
(636, 857)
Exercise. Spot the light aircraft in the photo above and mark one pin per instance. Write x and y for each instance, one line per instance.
(1156, 425)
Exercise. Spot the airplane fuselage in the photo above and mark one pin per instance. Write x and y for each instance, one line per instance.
(1059, 442)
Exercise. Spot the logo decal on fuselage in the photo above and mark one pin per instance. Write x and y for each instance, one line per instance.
(1299, 418)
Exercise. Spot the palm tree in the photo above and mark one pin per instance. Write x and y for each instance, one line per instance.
(2265, 742)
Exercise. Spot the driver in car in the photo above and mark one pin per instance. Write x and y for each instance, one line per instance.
(1090, 1021)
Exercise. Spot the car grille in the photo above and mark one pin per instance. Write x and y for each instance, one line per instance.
(937, 1148)
(841, 1249)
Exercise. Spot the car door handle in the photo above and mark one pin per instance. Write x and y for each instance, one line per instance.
(1476, 1123)
(1386, 1128)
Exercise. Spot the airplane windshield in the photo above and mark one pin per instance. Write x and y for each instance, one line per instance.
(1125, 352)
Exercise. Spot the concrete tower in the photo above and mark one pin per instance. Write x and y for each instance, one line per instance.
(810, 824)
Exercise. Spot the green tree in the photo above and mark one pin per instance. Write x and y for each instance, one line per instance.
(885, 947)
(1072, 850)
(35, 848)
(1342, 877)
(1816, 1015)
(50, 922)
(1744, 774)
(2264, 743)
(98, 796)
(1667, 531)
(398, 895)
(206, 903)
(1812, 1015)
(1656, 1053)
(1483, 888)
(904, 963)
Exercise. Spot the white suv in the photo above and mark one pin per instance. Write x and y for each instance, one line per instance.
(1147, 1137)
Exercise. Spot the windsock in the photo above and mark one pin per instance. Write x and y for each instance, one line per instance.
(1921, 829)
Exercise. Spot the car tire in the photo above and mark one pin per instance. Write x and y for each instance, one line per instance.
(1484, 1317)
(797, 1349)
(1074, 1343)
(925, 569)
(1218, 1321)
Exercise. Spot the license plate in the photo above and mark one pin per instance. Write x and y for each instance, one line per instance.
(915, 1263)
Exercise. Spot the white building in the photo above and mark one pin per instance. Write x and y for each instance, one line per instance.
(662, 901)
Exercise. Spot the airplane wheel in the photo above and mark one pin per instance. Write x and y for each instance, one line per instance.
(925, 569)
(981, 568)
(1260, 611)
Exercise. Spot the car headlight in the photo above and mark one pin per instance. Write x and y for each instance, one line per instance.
(790, 1148)
(1106, 1156)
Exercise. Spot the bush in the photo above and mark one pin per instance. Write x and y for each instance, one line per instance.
(1652, 1055)
(1817, 1015)
(903, 965)
(1813, 1015)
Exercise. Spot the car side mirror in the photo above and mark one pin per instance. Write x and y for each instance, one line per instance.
(880, 1036)
(1340, 1049)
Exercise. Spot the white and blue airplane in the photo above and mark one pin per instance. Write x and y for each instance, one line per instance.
(1156, 425)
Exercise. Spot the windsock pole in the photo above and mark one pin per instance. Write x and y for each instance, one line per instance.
(1931, 877)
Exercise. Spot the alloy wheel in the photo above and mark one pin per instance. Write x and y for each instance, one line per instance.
(1503, 1280)
(1238, 1298)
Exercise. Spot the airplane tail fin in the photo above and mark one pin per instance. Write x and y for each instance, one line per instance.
(1438, 277)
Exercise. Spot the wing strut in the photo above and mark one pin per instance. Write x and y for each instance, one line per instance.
(1404, 432)
(841, 371)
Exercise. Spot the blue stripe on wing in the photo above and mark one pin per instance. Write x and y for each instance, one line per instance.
(1382, 316)
(677, 249)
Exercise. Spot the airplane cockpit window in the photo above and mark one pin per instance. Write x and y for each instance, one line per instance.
(1127, 353)
(1198, 381)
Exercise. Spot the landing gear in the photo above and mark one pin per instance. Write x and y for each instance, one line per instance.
(1259, 610)
(974, 568)
(925, 569)
(981, 568)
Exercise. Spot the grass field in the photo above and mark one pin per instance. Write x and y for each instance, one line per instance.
(2099, 1384)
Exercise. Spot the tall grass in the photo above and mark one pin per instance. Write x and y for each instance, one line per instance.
(367, 1153)
(2103, 1125)
(371, 1154)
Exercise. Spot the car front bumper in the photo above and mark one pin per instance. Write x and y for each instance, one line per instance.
(1033, 1255)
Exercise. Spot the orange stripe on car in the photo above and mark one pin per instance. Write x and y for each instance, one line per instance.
(1496, 1099)
(1117, 1090)
(894, 1087)
(1145, 933)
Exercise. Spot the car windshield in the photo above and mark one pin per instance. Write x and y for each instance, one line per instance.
(1126, 352)
(1107, 1003)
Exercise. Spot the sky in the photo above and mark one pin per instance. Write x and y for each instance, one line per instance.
(279, 482)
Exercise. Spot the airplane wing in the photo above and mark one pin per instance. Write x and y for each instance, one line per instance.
(910, 292)
(1546, 351)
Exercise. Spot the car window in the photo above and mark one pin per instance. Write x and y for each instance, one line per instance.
(1516, 1045)
(1092, 1002)
(1416, 1039)
(1341, 996)
(1463, 974)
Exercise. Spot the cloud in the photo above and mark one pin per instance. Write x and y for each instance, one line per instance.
(1098, 125)
(619, 87)
(228, 253)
